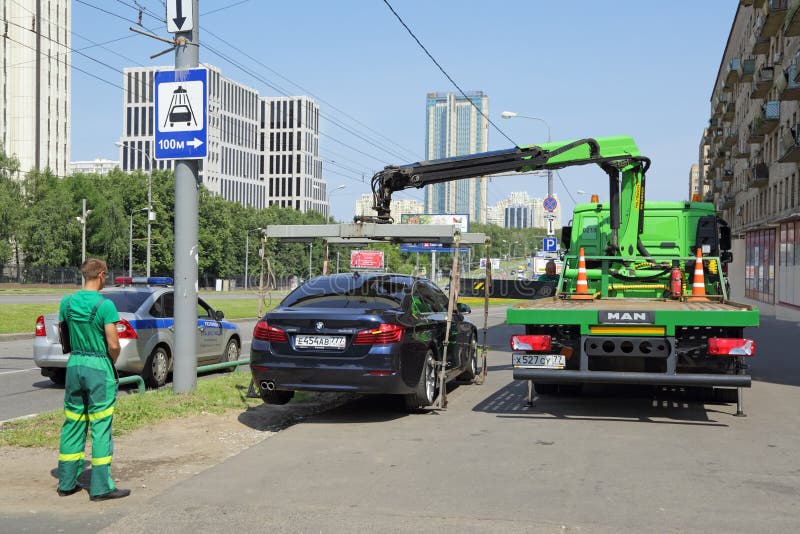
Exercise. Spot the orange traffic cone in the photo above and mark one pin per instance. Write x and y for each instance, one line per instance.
(698, 281)
(581, 284)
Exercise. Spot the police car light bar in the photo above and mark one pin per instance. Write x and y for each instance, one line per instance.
(151, 281)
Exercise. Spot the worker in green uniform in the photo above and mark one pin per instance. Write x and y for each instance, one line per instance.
(90, 391)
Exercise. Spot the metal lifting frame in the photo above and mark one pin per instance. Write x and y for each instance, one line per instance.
(370, 232)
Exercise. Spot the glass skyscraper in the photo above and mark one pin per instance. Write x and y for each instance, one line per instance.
(455, 127)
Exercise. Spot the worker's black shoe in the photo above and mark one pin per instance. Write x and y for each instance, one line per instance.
(116, 493)
(64, 493)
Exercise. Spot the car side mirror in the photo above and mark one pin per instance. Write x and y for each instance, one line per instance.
(220, 315)
(463, 308)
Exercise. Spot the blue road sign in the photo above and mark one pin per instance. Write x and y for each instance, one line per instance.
(549, 203)
(181, 114)
(549, 244)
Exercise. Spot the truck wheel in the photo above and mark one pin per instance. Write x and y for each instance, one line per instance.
(425, 391)
(726, 394)
(545, 389)
(277, 396)
(156, 368)
(58, 375)
(471, 371)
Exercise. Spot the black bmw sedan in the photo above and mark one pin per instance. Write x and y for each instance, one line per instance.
(362, 332)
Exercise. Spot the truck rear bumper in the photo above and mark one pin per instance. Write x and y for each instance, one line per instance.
(552, 376)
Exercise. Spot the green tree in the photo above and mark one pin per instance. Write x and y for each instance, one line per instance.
(10, 205)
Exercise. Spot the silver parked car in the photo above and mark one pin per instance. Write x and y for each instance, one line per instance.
(146, 333)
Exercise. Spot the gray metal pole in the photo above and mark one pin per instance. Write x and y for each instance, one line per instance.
(83, 232)
(187, 55)
(246, 251)
(130, 250)
(149, 210)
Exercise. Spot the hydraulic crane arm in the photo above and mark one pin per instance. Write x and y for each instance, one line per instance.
(618, 157)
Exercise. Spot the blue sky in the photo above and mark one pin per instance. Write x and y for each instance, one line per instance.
(589, 68)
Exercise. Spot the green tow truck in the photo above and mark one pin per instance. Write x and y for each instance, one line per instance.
(643, 312)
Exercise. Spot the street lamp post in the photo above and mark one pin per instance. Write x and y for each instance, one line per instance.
(246, 254)
(150, 215)
(511, 115)
(130, 243)
(82, 220)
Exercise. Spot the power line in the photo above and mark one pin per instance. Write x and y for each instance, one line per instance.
(446, 74)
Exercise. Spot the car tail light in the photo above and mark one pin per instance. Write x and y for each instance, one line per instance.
(125, 330)
(40, 331)
(534, 342)
(382, 335)
(265, 332)
(727, 346)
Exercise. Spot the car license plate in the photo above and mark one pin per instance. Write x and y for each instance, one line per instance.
(320, 342)
(541, 361)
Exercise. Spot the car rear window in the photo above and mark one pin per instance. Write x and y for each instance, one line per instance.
(127, 301)
(349, 292)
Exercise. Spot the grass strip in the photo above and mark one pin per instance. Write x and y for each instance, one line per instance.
(215, 395)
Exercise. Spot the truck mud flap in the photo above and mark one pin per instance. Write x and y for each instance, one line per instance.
(612, 377)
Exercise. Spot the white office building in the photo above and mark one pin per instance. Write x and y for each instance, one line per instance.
(520, 210)
(400, 207)
(35, 83)
(290, 164)
(95, 166)
(232, 166)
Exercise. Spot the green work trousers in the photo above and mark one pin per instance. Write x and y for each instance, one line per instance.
(90, 392)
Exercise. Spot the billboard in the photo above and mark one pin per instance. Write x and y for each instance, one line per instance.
(366, 259)
(460, 220)
(495, 264)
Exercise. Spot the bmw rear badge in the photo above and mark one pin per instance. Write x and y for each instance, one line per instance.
(319, 325)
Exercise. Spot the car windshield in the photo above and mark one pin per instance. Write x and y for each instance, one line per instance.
(127, 301)
(349, 292)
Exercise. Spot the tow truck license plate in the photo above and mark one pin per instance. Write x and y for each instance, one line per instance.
(541, 361)
(320, 342)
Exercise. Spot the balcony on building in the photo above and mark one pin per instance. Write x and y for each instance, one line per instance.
(787, 85)
(766, 121)
(727, 201)
(742, 151)
(762, 82)
(747, 68)
(791, 25)
(732, 74)
(729, 111)
(729, 137)
(709, 197)
(717, 137)
(719, 103)
(790, 145)
(759, 175)
(719, 158)
(773, 21)
(727, 172)
(757, 4)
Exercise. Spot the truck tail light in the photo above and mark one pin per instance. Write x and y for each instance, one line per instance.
(727, 346)
(40, 331)
(382, 335)
(125, 330)
(265, 332)
(533, 342)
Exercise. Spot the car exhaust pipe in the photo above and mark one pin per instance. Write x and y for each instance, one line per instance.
(269, 385)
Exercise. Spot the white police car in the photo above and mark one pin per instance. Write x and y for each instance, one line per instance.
(146, 332)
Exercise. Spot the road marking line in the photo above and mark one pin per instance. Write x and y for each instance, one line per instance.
(19, 371)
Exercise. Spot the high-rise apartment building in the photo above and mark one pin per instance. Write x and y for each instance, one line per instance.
(290, 163)
(753, 147)
(232, 166)
(455, 126)
(400, 207)
(519, 210)
(35, 83)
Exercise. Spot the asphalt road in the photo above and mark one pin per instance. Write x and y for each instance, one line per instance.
(615, 459)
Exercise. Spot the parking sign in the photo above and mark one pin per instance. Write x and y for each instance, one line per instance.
(181, 114)
(549, 244)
